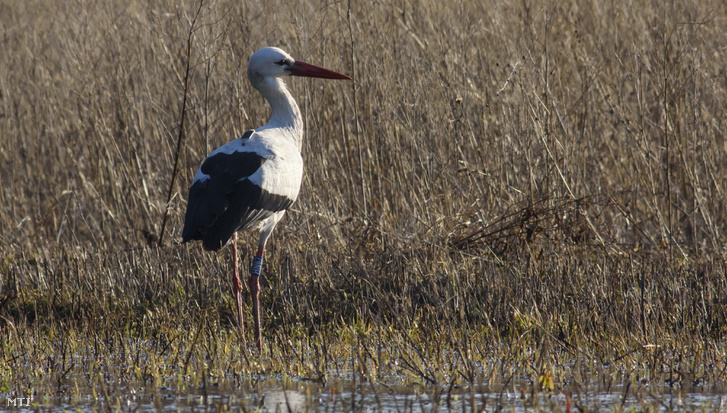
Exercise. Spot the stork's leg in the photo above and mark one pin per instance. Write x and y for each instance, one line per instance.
(254, 281)
(237, 288)
(254, 284)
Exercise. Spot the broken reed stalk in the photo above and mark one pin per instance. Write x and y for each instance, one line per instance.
(180, 136)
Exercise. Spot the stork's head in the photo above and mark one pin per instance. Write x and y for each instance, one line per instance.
(272, 62)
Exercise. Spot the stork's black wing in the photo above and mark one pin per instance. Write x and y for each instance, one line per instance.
(223, 200)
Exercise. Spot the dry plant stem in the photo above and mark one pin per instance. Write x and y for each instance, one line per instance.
(355, 113)
(180, 137)
(237, 288)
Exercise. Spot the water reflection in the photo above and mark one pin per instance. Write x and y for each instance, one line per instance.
(348, 393)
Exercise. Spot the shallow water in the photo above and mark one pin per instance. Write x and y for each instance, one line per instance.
(275, 395)
(137, 377)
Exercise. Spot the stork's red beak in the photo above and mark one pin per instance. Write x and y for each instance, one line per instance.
(306, 69)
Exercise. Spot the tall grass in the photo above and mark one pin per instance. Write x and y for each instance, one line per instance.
(512, 169)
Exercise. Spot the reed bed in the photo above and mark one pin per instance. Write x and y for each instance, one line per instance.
(509, 197)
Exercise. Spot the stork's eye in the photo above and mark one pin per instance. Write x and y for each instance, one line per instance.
(283, 62)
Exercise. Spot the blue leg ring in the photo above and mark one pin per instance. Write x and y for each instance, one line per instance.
(257, 265)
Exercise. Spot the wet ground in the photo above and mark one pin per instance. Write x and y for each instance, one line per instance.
(296, 395)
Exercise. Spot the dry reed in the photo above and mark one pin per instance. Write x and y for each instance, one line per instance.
(543, 175)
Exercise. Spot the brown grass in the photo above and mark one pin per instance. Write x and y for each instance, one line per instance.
(524, 173)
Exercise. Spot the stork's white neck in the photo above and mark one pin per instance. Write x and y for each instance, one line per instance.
(285, 112)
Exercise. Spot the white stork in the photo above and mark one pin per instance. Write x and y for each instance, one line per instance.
(250, 182)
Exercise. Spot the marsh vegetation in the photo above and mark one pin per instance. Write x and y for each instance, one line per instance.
(514, 205)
